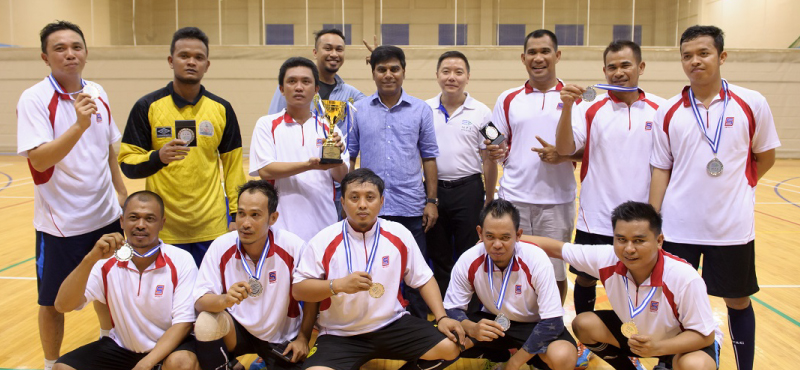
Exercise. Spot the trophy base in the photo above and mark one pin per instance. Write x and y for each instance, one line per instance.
(331, 155)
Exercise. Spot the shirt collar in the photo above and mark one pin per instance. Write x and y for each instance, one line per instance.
(376, 99)
(656, 277)
(688, 102)
(529, 89)
(515, 266)
(179, 101)
(157, 264)
(271, 237)
(359, 235)
(616, 100)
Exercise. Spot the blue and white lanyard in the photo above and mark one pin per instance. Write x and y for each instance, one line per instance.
(718, 133)
(506, 276)
(261, 259)
(373, 252)
(616, 88)
(58, 88)
(637, 310)
(349, 109)
(148, 253)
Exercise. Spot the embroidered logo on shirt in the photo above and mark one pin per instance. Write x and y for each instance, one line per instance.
(560, 106)
(648, 125)
(205, 129)
(654, 306)
(159, 290)
(728, 121)
(99, 118)
(273, 277)
(163, 132)
(385, 261)
(518, 289)
(319, 142)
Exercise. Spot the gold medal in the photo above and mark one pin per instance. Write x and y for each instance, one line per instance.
(376, 290)
(629, 329)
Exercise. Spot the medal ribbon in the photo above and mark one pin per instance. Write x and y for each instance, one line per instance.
(718, 133)
(616, 88)
(373, 252)
(261, 259)
(637, 310)
(58, 88)
(148, 253)
(506, 276)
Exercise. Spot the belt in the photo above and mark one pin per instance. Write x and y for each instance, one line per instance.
(454, 183)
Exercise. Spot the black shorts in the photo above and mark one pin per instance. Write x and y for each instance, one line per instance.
(515, 337)
(614, 325)
(407, 339)
(247, 343)
(57, 256)
(729, 271)
(105, 354)
(589, 239)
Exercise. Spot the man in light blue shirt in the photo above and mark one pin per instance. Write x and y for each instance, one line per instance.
(329, 47)
(395, 136)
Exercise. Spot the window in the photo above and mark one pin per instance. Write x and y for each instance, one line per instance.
(348, 28)
(623, 32)
(569, 34)
(394, 34)
(510, 34)
(446, 34)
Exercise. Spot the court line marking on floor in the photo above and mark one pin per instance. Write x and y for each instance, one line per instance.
(10, 180)
(777, 311)
(17, 278)
(16, 204)
(11, 197)
(777, 191)
(778, 182)
(767, 214)
(17, 264)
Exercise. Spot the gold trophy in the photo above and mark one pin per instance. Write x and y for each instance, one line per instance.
(333, 112)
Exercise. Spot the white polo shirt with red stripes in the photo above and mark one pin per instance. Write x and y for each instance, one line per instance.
(531, 294)
(617, 140)
(699, 208)
(397, 259)
(144, 305)
(679, 303)
(274, 316)
(76, 195)
(521, 114)
(307, 199)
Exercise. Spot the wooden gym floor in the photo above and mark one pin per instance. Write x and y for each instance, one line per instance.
(777, 305)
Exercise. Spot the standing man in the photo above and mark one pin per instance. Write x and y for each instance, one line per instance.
(329, 45)
(541, 187)
(394, 132)
(516, 285)
(354, 269)
(185, 171)
(150, 295)
(286, 149)
(712, 144)
(65, 130)
(458, 119)
(243, 292)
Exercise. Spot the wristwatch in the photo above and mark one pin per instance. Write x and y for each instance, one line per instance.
(435, 201)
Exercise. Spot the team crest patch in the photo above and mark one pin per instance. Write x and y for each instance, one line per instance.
(99, 118)
(560, 106)
(518, 289)
(320, 142)
(205, 129)
(163, 132)
(728, 121)
(273, 277)
(385, 261)
(159, 290)
(654, 306)
(648, 125)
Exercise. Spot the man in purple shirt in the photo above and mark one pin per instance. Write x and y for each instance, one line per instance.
(394, 133)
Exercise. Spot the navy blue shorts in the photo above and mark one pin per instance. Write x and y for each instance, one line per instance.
(57, 256)
(106, 354)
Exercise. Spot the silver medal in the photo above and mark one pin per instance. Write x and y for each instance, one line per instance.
(92, 89)
(714, 167)
(503, 321)
(589, 94)
(491, 132)
(186, 134)
(124, 253)
(255, 287)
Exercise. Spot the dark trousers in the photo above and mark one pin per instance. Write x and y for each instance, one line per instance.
(416, 305)
(460, 204)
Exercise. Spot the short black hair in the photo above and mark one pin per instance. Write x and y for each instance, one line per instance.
(298, 62)
(696, 31)
(452, 54)
(360, 176)
(58, 26)
(539, 34)
(637, 211)
(387, 52)
(188, 33)
(618, 45)
(499, 208)
(326, 31)
(145, 196)
(263, 187)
